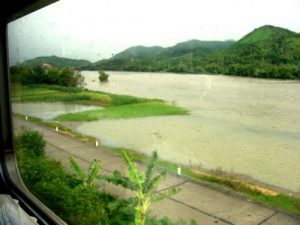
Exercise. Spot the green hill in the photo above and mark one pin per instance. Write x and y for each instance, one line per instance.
(139, 52)
(56, 62)
(185, 57)
(198, 48)
(177, 58)
(268, 51)
(125, 60)
(265, 52)
(268, 44)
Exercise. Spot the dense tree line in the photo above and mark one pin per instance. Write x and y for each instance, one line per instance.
(38, 75)
(215, 66)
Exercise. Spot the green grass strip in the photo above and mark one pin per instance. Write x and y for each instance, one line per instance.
(124, 112)
(53, 93)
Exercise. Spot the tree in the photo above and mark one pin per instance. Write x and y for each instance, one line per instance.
(143, 185)
(103, 77)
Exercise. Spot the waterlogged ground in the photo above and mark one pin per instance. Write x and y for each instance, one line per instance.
(47, 111)
(241, 125)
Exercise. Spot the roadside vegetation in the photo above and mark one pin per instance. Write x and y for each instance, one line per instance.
(214, 179)
(226, 182)
(75, 197)
(143, 184)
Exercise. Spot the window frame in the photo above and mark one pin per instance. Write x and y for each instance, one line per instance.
(10, 179)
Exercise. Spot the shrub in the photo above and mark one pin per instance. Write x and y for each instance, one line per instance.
(69, 77)
(103, 77)
(31, 141)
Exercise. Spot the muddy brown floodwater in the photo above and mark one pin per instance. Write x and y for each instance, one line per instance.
(48, 110)
(242, 125)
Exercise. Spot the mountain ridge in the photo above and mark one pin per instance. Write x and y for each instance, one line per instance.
(139, 58)
(56, 61)
(267, 51)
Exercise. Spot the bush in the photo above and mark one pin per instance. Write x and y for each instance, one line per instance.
(103, 77)
(31, 141)
(64, 77)
(69, 77)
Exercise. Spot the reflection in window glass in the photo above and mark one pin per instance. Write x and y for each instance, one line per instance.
(107, 95)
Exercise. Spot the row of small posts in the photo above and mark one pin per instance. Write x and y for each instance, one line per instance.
(97, 145)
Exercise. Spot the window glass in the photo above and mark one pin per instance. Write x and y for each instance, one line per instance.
(158, 112)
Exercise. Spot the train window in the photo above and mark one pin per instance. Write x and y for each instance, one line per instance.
(159, 112)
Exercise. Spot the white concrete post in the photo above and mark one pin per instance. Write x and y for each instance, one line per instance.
(179, 171)
(97, 143)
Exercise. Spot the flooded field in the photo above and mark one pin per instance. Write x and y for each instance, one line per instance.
(48, 111)
(241, 125)
(249, 127)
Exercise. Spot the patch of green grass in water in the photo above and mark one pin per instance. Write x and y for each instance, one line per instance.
(124, 112)
(54, 93)
(126, 100)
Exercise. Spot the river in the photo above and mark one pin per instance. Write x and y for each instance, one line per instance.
(244, 126)
(48, 110)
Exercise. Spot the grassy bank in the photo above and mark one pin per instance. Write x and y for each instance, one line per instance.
(116, 106)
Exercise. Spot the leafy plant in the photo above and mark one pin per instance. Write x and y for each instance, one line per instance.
(103, 76)
(32, 141)
(86, 181)
(143, 185)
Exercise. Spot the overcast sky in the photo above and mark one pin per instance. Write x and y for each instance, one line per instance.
(96, 29)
